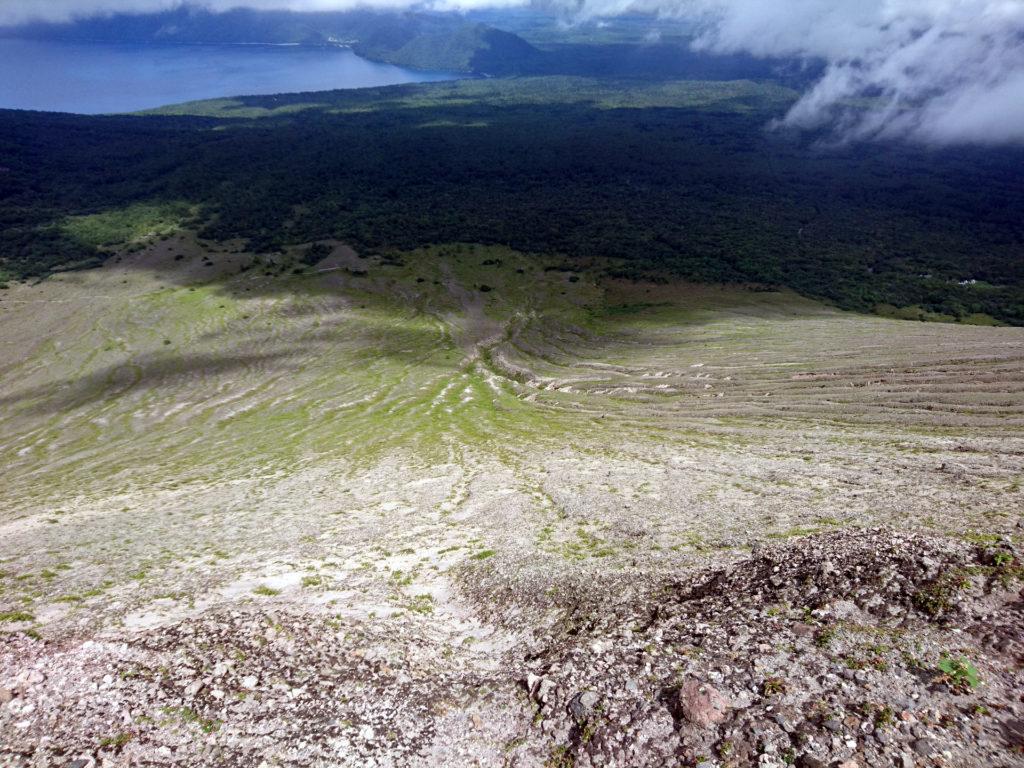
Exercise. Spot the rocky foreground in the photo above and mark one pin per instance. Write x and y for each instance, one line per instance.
(857, 648)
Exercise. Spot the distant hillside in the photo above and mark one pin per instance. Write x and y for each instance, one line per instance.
(420, 41)
(658, 179)
(435, 41)
(474, 48)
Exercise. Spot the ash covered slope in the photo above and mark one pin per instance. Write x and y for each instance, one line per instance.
(865, 648)
(860, 648)
(318, 508)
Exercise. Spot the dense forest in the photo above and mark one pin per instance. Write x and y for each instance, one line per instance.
(653, 179)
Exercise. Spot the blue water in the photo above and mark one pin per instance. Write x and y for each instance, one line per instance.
(97, 78)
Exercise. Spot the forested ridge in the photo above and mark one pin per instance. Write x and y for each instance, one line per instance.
(656, 179)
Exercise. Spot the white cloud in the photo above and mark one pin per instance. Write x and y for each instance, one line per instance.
(939, 71)
(14, 12)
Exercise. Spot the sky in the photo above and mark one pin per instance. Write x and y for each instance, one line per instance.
(936, 71)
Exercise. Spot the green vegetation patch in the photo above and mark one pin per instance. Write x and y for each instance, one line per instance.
(232, 108)
(116, 742)
(133, 224)
(959, 673)
(938, 598)
(16, 616)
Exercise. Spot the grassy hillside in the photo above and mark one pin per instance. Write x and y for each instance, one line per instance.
(471, 48)
(181, 363)
(675, 178)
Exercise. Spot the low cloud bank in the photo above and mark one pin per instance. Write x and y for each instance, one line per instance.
(936, 71)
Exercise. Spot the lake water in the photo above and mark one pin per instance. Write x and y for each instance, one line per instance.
(97, 78)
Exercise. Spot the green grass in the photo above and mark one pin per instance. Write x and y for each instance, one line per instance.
(794, 533)
(128, 225)
(16, 616)
(231, 108)
(937, 598)
(116, 742)
(421, 604)
(605, 93)
(190, 716)
(417, 362)
(981, 538)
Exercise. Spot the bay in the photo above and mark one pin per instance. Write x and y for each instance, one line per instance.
(99, 78)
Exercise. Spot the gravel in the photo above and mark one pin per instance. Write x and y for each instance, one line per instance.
(821, 651)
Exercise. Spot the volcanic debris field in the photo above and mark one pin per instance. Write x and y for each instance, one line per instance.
(466, 506)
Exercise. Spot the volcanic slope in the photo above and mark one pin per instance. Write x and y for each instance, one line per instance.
(208, 454)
